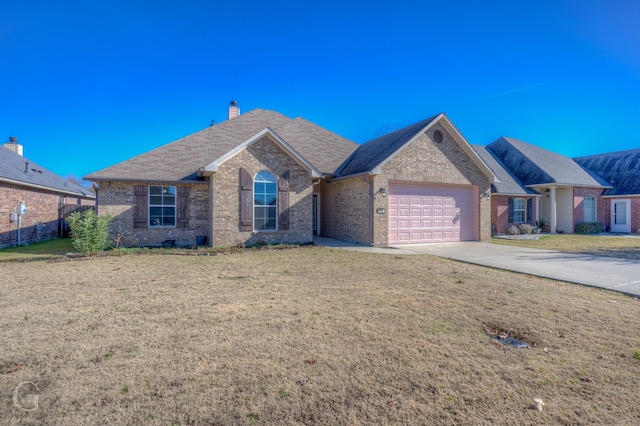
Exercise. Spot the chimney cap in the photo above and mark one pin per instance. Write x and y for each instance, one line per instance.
(234, 103)
(13, 139)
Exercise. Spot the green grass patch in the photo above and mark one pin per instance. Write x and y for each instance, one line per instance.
(44, 250)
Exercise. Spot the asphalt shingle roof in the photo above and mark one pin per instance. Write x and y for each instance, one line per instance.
(621, 169)
(17, 168)
(509, 183)
(533, 165)
(322, 148)
(370, 154)
(181, 160)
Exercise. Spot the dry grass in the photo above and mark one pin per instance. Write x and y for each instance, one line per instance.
(310, 336)
(627, 247)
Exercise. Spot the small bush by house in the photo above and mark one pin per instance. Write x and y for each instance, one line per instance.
(513, 230)
(89, 232)
(589, 228)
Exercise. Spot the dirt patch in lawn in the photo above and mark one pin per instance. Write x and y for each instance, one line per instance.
(309, 336)
(619, 247)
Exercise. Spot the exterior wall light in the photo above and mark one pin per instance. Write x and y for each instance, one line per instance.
(547, 193)
(383, 192)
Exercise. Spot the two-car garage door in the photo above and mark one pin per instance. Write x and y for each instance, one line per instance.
(420, 213)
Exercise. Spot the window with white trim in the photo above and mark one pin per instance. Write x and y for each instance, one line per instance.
(162, 206)
(589, 208)
(265, 206)
(519, 210)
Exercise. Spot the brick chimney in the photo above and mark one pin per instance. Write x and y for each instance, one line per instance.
(14, 146)
(234, 110)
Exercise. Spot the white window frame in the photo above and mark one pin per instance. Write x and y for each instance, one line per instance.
(595, 208)
(163, 206)
(274, 207)
(517, 210)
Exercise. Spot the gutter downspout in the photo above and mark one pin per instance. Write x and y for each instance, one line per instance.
(19, 226)
(371, 202)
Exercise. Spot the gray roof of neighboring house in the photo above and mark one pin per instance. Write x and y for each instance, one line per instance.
(621, 169)
(533, 165)
(509, 183)
(370, 154)
(14, 167)
(182, 159)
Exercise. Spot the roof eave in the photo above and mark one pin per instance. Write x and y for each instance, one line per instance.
(621, 195)
(556, 184)
(353, 176)
(46, 188)
(145, 179)
(519, 194)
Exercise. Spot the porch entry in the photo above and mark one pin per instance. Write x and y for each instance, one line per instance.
(620, 215)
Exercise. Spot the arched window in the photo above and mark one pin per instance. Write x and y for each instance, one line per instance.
(265, 206)
(589, 206)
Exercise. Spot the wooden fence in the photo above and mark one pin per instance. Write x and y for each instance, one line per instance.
(64, 210)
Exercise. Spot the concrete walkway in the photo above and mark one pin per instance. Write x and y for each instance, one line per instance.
(596, 271)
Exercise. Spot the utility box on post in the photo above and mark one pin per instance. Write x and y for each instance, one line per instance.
(22, 209)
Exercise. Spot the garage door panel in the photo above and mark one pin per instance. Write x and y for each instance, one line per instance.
(431, 213)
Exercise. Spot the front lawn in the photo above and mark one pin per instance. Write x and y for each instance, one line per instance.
(622, 247)
(309, 336)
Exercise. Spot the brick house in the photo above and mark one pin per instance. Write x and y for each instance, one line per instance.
(264, 177)
(537, 184)
(46, 196)
(620, 203)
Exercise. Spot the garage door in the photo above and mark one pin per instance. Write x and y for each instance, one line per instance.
(431, 213)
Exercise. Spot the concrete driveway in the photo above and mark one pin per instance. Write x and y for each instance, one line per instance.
(603, 272)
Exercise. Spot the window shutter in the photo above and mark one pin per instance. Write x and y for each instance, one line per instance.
(246, 200)
(529, 210)
(140, 206)
(510, 210)
(283, 201)
(183, 206)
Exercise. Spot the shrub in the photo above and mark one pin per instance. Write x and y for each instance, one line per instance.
(589, 228)
(89, 232)
(513, 230)
(525, 228)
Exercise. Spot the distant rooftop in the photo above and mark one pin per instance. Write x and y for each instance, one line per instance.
(20, 170)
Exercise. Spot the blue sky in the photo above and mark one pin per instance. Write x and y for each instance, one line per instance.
(84, 85)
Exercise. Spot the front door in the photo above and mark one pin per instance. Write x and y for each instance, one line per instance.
(620, 216)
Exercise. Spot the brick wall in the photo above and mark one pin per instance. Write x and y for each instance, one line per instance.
(42, 219)
(116, 199)
(352, 210)
(225, 215)
(500, 212)
(635, 214)
(578, 207)
(428, 162)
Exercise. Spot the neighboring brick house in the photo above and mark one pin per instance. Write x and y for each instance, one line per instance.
(512, 203)
(264, 177)
(620, 204)
(537, 184)
(46, 196)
